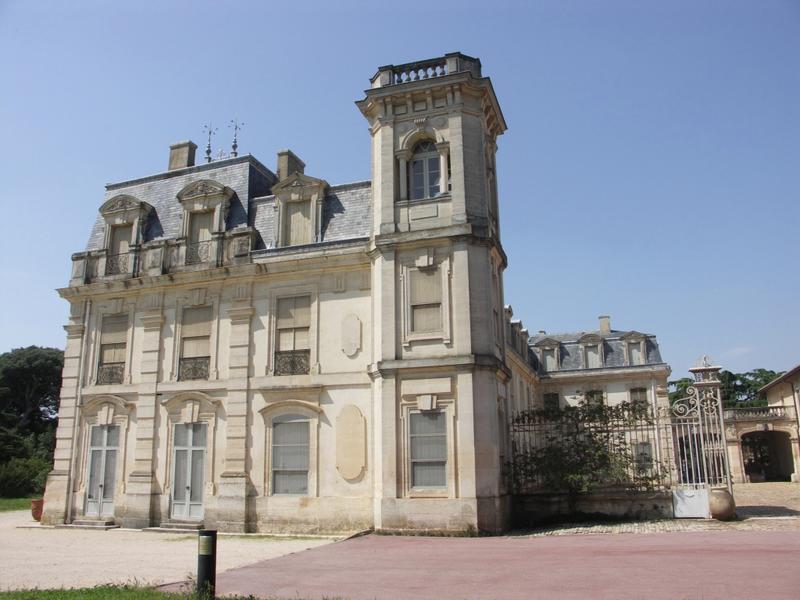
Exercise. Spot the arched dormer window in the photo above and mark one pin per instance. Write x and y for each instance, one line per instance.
(425, 171)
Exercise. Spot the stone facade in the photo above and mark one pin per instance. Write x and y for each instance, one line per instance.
(763, 442)
(607, 364)
(263, 351)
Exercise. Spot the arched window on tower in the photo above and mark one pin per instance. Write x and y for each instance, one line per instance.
(425, 171)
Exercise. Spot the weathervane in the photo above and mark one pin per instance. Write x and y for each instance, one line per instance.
(211, 130)
(237, 127)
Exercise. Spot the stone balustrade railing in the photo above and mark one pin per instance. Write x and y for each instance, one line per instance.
(758, 413)
(426, 69)
(164, 256)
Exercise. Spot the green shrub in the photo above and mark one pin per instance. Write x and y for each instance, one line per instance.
(23, 477)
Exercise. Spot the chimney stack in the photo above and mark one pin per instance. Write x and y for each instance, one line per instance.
(289, 164)
(181, 155)
(542, 332)
(605, 323)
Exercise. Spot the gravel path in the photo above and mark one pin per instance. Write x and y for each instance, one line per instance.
(53, 558)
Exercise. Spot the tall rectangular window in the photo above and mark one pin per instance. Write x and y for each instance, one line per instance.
(635, 352)
(426, 300)
(593, 357)
(428, 432)
(290, 455)
(198, 249)
(113, 341)
(195, 343)
(297, 223)
(551, 401)
(594, 397)
(549, 359)
(293, 346)
(638, 395)
(118, 251)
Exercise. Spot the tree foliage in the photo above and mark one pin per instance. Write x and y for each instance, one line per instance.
(578, 449)
(30, 381)
(738, 389)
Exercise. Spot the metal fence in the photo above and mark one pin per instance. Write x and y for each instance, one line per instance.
(591, 445)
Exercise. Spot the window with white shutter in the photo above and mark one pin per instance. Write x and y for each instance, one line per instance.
(113, 341)
(426, 300)
(297, 223)
(195, 343)
(292, 335)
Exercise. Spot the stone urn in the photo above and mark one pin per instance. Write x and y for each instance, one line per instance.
(37, 506)
(721, 505)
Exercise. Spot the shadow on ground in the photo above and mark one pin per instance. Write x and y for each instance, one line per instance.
(747, 511)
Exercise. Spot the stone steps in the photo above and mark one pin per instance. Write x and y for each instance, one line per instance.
(101, 524)
(177, 527)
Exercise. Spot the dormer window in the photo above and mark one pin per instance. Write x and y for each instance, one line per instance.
(124, 216)
(299, 200)
(425, 171)
(592, 354)
(118, 249)
(550, 359)
(198, 247)
(205, 207)
(635, 353)
(297, 223)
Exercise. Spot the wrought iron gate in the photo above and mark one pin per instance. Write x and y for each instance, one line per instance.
(693, 442)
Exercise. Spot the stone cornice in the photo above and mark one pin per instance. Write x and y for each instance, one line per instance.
(606, 373)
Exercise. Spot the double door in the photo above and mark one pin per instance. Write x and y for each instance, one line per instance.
(189, 458)
(103, 448)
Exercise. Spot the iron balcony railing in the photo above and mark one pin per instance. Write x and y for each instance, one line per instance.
(110, 373)
(117, 264)
(198, 252)
(755, 413)
(194, 368)
(292, 362)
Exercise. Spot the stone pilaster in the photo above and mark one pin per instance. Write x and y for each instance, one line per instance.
(58, 488)
(141, 507)
(234, 483)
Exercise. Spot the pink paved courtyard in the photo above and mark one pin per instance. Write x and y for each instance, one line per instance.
(691, 565)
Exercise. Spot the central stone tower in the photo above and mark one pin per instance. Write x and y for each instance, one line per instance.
(438, 365)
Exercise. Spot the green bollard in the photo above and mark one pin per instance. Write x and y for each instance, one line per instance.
(206, 562)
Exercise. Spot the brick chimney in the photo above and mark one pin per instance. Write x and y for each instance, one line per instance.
(289, 164)
(605, 323)
(181, 155)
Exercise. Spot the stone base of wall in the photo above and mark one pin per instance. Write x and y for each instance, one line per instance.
(535, 509)
(325, 515)
(55, 498)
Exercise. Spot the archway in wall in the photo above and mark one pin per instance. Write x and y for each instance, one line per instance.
(767, 456)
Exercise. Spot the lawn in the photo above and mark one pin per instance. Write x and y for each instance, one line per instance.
(7, 504)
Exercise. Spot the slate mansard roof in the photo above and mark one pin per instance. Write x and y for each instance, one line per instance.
(614, 342)
(347, 209)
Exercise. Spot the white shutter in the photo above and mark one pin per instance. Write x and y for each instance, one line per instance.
(426, 300)
(200, 225)
(196, 332)
(114, 329)
(293, 322)
(297, 223)
(121, 238)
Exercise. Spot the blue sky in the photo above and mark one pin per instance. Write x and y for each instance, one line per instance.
(650, 171)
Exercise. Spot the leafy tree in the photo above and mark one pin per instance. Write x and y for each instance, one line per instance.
(738, 389)
(30, 380)
(579, 449)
